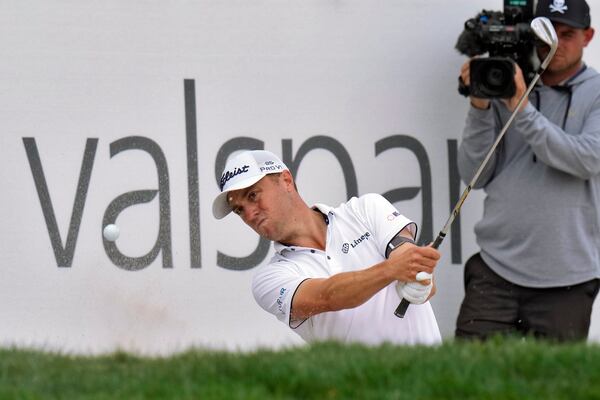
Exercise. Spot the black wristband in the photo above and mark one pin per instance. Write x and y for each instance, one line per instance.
(396, 242)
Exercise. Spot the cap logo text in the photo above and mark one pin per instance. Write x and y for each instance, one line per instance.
(271, 168)
(227, 175)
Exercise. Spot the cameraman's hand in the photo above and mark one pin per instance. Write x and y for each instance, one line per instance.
(520, 89)
(465, 75)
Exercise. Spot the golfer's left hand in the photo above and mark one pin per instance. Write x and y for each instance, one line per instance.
(416, 292)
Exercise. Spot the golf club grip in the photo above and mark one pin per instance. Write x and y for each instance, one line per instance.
(438, 240)
(401, 309)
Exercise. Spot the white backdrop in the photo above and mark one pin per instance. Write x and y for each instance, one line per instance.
(77, 73)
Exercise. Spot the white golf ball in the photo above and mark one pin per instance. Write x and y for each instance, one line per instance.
(111, 232)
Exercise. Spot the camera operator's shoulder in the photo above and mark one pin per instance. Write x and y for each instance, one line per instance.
(596, 78)
(588, 84)
(590, 73)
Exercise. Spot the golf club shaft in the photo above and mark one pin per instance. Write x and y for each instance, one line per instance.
(403, 306)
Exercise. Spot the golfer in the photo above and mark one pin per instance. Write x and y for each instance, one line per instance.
(338, 273)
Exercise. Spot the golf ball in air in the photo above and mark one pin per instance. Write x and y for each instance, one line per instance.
(111, 232)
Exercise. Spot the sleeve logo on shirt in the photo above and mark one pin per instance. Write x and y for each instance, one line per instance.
(280, 300)
(345, 248)
(393, 215)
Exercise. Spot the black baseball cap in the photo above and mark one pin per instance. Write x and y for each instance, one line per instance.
(575, 13)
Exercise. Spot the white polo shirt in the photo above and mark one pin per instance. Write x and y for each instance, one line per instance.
(358, 233)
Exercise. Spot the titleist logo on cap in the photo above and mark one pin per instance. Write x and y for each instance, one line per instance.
(227, 175)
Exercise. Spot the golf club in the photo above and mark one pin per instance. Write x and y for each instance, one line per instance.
(543, 29)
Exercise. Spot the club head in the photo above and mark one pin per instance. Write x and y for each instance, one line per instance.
(544, 30)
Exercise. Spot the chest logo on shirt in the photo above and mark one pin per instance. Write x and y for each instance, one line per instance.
(346, 246)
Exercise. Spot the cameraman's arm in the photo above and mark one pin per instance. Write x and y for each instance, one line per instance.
(479, 134)
(576, 153)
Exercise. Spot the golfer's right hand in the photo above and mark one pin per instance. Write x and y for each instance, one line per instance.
(408, 260)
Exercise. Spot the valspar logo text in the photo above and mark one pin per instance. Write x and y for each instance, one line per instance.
(293, 153)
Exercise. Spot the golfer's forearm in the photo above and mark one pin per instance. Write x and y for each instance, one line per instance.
(343, 290)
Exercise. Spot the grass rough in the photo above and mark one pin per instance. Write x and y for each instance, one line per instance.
(496, 369)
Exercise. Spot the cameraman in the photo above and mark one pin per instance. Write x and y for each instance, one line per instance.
(539, 266)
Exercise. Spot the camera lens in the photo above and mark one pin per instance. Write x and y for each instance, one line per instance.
(496, 78)
(492, 77)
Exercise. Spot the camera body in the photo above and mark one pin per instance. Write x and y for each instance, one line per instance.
(507, 37)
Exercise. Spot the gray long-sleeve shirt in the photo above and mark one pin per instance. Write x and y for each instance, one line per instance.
(541, 221)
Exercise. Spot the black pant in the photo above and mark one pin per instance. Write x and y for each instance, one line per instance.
(493, 305)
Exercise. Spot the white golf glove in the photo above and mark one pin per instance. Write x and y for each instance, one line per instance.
(415, 292)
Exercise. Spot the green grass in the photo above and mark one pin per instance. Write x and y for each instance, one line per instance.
(497, 369)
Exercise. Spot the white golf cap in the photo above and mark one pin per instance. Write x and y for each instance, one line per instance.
(242, 171)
